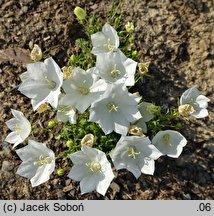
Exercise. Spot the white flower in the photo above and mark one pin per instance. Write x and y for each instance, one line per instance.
(146, 110)
(92, 169)
(115, 109)
(20, 128)
(82, 89)
(169, 142)
(105, 41)
(42, 83)
(135, 154)
(115, 66)
(198, 102)
(38, 162)
(65, 112)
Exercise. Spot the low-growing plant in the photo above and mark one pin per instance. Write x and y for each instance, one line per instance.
(100, 119)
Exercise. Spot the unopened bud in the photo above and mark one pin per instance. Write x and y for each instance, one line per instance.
(36, 53)
(60, 172)
(52, 124)
(80, 13)
(69, 143)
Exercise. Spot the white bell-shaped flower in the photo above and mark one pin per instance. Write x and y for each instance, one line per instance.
(105, 41)
(169, 142)
(82, 89)
(115, 110)
(65, 112)
(92, 169)
(42, 83)
(20, 127)
(193, 103)
(38, 162)
(135, 154)
(115, 66)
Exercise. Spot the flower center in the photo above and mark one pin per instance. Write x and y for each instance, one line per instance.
(132, 152)
(84, 90)
(109, 46)
(165, 139)
(115, 73)
(42, 160)
(94, 167)
(112, 107)
(18, 128)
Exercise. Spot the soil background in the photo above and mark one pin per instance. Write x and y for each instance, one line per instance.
(177, 37)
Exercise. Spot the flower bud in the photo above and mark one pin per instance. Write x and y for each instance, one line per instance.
(186, 109)
(134, 53)
(88, 140)
(69, 143)
(52, 124)
(129, 27)
(36, 53)
(80, 13)
(60, 172)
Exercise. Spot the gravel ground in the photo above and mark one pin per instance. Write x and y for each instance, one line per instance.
(175, 36)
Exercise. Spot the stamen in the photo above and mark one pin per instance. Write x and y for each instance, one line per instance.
(109, 46)
(94, 167)
(42, 160)
(83, 90)
(112, 107)
(115, 73)
(132, 152)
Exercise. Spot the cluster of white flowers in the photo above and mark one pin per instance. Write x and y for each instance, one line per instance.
(102, 90)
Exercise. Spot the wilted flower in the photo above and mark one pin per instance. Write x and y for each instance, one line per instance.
(36, 53)
(92, 169)
(38, 162)
(82, 89)
(19, 126)
(129, 27)
(65, 112)
(135, 130)
(143, 68)
(197, 103)
(113, 67)
(135, 154)
(169, 142)
(42, 108)
(80, 13)
(88, 140)
(115, 110)
(105, 41)
(42, 83)
(186, 110)
(67, 71)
